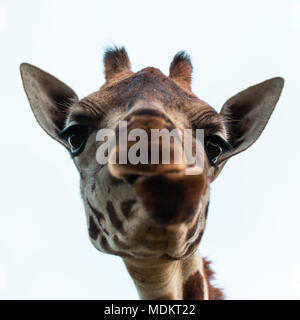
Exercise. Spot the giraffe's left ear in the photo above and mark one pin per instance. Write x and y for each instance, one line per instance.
(49, 99)
(247, 113)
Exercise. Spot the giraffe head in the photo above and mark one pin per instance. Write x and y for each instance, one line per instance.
(147, 210)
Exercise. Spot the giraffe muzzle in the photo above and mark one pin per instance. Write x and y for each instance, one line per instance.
(169, 195)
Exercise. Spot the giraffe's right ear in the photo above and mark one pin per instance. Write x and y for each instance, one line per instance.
(246, 114)
(49, 99)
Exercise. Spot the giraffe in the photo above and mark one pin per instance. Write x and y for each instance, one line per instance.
(152, 216)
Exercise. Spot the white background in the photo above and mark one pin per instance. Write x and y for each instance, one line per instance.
(252, 234)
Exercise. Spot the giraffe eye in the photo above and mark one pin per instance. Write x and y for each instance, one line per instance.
(76, 141)
(215, 146)
(76, 136)
(214, 151)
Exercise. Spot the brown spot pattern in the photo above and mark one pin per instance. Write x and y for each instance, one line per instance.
(99, 215)
(93, 229)
(104, 244)
(193, 287)
(115, 221)
(126, 207)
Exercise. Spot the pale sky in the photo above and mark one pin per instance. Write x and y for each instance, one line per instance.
(252, 235)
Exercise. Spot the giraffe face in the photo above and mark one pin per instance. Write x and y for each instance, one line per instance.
(146, 211)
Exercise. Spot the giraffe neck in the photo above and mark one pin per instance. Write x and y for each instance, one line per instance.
(171, 280)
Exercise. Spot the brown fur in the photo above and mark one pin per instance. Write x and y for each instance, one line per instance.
(193, 229)
(126, 207)
(158, 192)
(214, 292)
(123, 93)
(115, 61)
(116, 222)
(93, 229)
(181, 70)
(193, 288)
(99, 215)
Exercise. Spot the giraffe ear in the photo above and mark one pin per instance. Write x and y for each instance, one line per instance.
(49, 99)
(247, 113)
